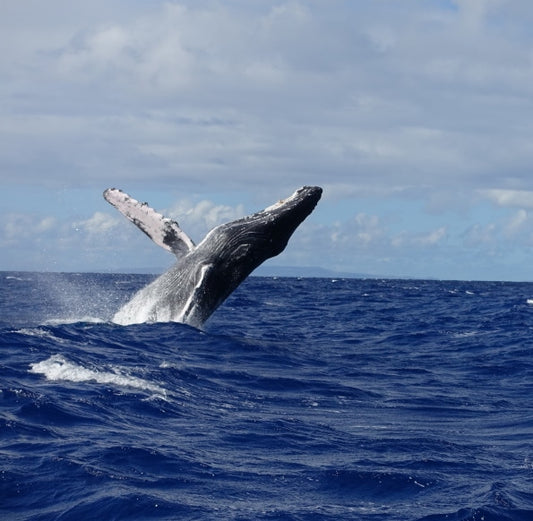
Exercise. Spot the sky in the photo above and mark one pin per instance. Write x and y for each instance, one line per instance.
(416, 118)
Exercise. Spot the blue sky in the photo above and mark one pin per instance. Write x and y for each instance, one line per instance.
(415, 117)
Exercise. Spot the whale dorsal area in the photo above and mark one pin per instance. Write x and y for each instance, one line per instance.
(163, 231)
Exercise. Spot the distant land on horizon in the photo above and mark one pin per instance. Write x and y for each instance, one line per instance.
(310, 271)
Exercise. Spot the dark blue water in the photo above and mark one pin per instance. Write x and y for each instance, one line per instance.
(307, 399)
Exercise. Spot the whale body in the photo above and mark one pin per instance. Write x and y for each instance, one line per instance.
(206, 274)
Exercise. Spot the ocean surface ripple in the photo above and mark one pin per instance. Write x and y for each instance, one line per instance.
(301, 399)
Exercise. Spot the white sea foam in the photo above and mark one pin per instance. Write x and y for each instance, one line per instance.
(59, 368)
(139, 309)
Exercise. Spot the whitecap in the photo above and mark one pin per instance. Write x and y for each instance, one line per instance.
(58, 368)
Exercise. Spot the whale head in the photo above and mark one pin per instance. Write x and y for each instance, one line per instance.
(231, 251)
(255, 238)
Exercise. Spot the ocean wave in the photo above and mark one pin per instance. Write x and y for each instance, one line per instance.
(408, 403)
(58, 368)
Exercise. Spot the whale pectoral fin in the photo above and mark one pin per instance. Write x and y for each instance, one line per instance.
(163, 231)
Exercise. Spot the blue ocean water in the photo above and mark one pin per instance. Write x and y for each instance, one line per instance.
(311, 399)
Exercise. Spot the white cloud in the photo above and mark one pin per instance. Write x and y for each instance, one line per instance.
(367, 228)
(516, 223)
(509, 233)
(46, 224)
(99, 223)
(473, 12)
(198, 218)
(419, 240)
(479, 234)
(148, 54)
(510, 198)
(18, 227)
(432, 238)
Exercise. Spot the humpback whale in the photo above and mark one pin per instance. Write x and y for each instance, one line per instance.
(206, 274)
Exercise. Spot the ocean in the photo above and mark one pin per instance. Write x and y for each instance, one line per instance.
(300, 399)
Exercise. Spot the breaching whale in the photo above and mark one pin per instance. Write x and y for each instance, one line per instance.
(206, 274)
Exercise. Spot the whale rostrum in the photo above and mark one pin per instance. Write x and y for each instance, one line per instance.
(206, 274)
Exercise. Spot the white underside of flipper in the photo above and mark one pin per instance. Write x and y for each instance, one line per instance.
(163, 231)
